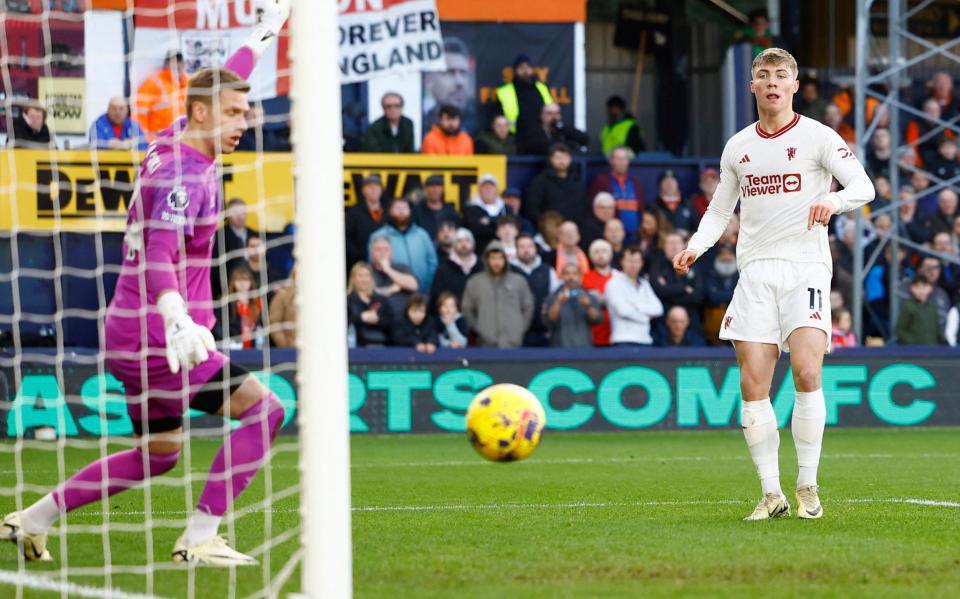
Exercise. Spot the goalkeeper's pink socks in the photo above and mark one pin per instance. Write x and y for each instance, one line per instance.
(247, 448)
(123, 470)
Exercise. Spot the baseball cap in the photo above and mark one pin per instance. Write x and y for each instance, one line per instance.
(710, 172)
(374, 178)
(489, 178)
(435, 180)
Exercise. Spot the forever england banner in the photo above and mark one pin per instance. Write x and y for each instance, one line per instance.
(206, 32)
(386, 37)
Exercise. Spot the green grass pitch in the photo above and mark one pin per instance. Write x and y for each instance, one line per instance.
(646, 514)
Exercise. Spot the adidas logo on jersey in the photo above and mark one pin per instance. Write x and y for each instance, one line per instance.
(745, 159)
(815, 316)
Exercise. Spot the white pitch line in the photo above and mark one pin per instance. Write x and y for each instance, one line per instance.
(619, 460)
(617, 504)
(36, 582)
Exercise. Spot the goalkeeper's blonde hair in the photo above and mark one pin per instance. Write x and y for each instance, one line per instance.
(209, 82)
(775, 56)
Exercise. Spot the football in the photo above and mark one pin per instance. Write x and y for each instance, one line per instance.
(505, 423)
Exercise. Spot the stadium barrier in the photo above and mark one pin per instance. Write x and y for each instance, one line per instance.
(401, 391)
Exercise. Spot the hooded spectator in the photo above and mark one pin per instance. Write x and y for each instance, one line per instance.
(497, 302)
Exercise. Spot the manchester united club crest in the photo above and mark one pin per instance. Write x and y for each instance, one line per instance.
(791, 153)
(727, 321)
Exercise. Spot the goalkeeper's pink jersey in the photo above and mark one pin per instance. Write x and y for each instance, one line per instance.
(177, 206)
(171, 228)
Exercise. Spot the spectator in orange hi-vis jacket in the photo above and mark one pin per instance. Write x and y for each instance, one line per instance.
(161, 97)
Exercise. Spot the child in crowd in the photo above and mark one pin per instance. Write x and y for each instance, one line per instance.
(415, 328)
(452, 327)
(843, 335)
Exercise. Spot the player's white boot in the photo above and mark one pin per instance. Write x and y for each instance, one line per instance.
(214, 552)
(772, 505)
(808, 503)
(34, 545)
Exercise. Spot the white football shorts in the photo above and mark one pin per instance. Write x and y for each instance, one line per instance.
(775, 297)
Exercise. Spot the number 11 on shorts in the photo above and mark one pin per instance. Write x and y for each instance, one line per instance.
(819, 298)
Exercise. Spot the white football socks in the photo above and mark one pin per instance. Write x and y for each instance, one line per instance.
(40, 516)
(809, 417)
(763, 440)
(201, 527)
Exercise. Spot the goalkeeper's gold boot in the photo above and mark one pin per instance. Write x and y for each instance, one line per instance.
(214, 552)
(34, 545)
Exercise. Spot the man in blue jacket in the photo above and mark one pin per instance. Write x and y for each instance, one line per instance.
(114, 130)
(412, 245)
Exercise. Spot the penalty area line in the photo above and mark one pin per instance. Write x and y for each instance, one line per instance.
(36, 582)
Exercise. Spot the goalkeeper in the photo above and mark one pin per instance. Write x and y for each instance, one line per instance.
(158, 340)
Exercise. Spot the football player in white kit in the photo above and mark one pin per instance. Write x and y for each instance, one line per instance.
(780, 169)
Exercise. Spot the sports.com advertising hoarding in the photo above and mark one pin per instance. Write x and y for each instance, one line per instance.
(412, 396)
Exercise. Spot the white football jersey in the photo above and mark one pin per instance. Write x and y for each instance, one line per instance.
(777, 177)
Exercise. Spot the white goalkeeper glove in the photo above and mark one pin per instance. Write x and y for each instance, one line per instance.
(271, 15)
(188, 343)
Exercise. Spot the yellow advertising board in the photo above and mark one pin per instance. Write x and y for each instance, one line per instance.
(84, 191)
(80, 190)
(64, 99)
(402, 173)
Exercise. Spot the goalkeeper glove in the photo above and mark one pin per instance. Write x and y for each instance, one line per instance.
(272, 14)
(188, 343)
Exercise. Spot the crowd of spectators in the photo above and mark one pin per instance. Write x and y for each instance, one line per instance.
(566, 261)
(574, 263)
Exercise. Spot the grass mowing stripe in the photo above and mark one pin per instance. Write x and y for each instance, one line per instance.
(43, 583)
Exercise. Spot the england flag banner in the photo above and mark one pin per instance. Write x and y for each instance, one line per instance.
(386, 37)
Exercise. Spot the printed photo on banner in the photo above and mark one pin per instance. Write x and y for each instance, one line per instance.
(455, 86)
(489, 50)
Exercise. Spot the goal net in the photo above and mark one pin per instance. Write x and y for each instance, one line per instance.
(69, 176)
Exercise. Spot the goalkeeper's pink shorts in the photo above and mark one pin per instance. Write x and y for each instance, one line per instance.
(161, 397)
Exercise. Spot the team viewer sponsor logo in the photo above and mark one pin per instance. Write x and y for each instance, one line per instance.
(754, 185)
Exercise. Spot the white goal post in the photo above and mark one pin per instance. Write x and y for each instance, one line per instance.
(321, 339)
